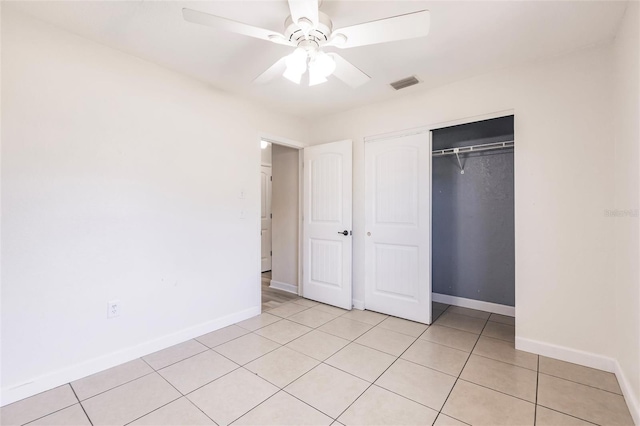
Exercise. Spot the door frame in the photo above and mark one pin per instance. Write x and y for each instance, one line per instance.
(289, 143)
(429, 128)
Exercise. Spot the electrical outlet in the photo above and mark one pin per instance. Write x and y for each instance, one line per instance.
(114, 307)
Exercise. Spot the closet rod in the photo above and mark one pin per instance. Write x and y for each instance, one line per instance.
(472, 148)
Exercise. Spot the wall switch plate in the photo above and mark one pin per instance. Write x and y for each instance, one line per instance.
(114, 307)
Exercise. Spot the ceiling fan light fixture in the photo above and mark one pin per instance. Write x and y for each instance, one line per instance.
(296, 65)
(321, 67)
(292, 76)
(315, 77)
(297, 61)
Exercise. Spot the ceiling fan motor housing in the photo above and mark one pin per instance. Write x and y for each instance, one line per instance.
(317, 36)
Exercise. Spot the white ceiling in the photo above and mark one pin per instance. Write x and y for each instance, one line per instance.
(466, 39)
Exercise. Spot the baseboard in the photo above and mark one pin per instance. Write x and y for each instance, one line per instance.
(87, 368)
(563, 353)
(278, 285)
(474, 304)
(587, 359)
(629, 395)
(358, 304)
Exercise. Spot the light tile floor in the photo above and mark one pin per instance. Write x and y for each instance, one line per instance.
(304, 363)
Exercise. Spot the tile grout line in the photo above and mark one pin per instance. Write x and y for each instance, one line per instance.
(535, 408)
(163, 405)
(568, 415)
(582, 384)
(55, 411)
(81, 406)
(463, 367)
(471, 332)
(497, 391)
(319, 363)
(117, 386)
(174, 363)
(504, 362)
(538, 372)
(282, 389)
(380, 375)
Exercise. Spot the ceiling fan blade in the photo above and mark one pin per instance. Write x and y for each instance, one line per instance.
(402, 27)
(348, 72)
(304, 9)
(272, 72)
(225, 24)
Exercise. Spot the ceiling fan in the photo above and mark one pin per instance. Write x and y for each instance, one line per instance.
(310, 31)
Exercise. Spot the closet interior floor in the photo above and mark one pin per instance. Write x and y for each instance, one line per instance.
(302, 362)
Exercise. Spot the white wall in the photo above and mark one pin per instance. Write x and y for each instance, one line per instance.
(284, 205)
(563, 184)
(120, 180)
(627, 193)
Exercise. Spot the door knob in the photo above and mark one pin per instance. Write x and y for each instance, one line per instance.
(345, 232)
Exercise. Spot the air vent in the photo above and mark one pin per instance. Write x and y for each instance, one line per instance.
(405, 82)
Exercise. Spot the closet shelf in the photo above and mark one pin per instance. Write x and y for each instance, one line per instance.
(471, 148)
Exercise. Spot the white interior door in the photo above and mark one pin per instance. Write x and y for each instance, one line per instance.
(265, 217)
(397, 241)
(327, 240)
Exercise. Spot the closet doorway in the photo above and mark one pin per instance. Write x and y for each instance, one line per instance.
(473, 226)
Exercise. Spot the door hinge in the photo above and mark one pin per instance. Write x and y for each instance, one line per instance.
(271, 253)
(271, 178)
(270, 215)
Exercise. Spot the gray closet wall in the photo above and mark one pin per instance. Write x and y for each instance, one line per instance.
(473, 243)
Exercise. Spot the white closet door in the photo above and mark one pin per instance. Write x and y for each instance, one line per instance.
(327, 236)
(397, 240)
(265, 217)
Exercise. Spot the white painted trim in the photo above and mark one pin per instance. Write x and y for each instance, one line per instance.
(289, 288)
(95, 365)
(358, 304)
(563, 353)
(587, 359)
(282, 141)
(474, 304)
(290, 143)
(439, 125)
(300, 218)
(472, 119)
(629, 395)
(397, 134)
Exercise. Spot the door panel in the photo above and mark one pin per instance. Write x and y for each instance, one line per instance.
(265, 217)
(326, 215)
(397, 243)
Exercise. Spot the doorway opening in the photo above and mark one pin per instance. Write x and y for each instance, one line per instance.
(473, 219)
(279, 223)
